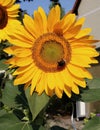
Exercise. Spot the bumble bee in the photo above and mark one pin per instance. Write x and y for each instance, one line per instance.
(61, 63)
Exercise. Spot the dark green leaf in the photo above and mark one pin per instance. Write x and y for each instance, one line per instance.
(92, 93)
(93, 124)
(36, 102)
(42, 128)
(94, 83)
(11, 122)
(9, 94)
(3, 66)
(2, 112)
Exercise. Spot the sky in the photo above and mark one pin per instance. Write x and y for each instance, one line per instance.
(33, 5)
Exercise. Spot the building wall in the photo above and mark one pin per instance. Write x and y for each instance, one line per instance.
(91, 10)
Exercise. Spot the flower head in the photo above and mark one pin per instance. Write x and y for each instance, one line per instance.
(8, 13)
(52, 54)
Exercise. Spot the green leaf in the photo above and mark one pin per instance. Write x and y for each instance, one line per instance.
(3, 66)
(42, 128)
(9, 94)
(92, 93)
(11, 122)
(93, 124)
(36, 102)
(2, 112)
(94, 83)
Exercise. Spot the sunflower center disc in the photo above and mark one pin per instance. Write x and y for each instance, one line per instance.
(52, 52)
(49, 50)
(3, 17)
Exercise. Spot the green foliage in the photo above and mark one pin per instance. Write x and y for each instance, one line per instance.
(15, 110)
(10, 94)
(9, 121)
(42, 128)
(36, 102)
(93, 124)
(3, 66)
(92, 92)
(3, 55)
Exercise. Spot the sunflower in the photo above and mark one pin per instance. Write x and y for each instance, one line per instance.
(8, 13)
(52, 54)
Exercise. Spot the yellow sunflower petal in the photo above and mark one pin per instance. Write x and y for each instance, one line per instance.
(37, 76)
(83, 32)
(7, 2)
(51, 81)
(20, 40)
(67, 91)
(24, 78)
(44, 19)
(14, 9)
(19, 43)
(89, 51)
(53, 18)
(3, 35)
(82, 39)
(48, 91)
(30, 28)
(67, 78)
(11, 25)
(93, 60)
(59, 83)
(23, 69)
(21, 34)
(42, 84)
(79, 71)
(78, 42)
(23, 61)
(11, 61)
(38, 22)
(81, 60)
(58, 92)
(67, 21)
(13, 15)
(72, 32)
(75, 89)
(17, 51)
(57, 10)
(70, 79)
(9, 50)
(80, 21)
(27, 85)
(80, 81)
